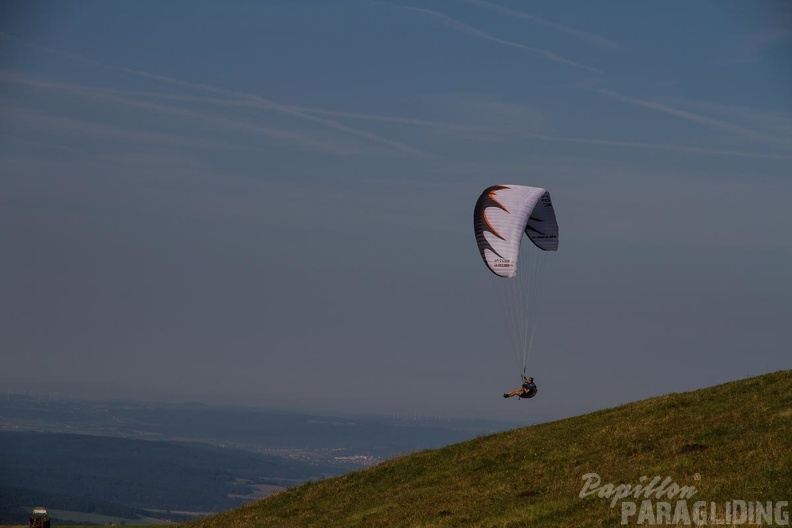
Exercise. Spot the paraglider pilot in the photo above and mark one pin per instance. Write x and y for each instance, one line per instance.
(527, 390)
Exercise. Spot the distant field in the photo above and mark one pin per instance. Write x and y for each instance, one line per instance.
(103, 520)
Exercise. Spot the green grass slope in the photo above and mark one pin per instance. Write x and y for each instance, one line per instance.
(729, 442)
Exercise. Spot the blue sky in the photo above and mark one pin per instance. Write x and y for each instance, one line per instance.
(270, 203)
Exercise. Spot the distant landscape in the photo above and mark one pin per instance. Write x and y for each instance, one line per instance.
(96, 463)
(730, 445)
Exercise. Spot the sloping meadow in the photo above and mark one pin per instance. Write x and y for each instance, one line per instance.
(721, 455)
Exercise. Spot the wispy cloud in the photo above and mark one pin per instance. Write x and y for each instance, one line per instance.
(776, 123)
(112, 96)
(285, 109)
(71, 127)
(663, 146)
(712, 123)
(474, 131)
(133, 98)
(477, 131)
(588, 38)
(752, 47)
(462, 27)
(270, 104)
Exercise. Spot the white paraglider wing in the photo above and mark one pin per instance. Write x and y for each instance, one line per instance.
(504, 219)
(502, 214)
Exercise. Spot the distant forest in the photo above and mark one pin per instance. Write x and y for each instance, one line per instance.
(125, 477)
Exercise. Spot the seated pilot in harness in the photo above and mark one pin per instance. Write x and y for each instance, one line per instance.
(527, 390)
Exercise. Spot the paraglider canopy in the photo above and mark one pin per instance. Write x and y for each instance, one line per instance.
(505, 219)
(502, 214)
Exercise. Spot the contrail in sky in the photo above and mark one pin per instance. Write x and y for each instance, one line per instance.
(462, 27)
(589, 38)
(716, 124)
(125, 97)
(404, 148)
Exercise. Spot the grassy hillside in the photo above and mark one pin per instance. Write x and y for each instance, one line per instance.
(730, 442)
